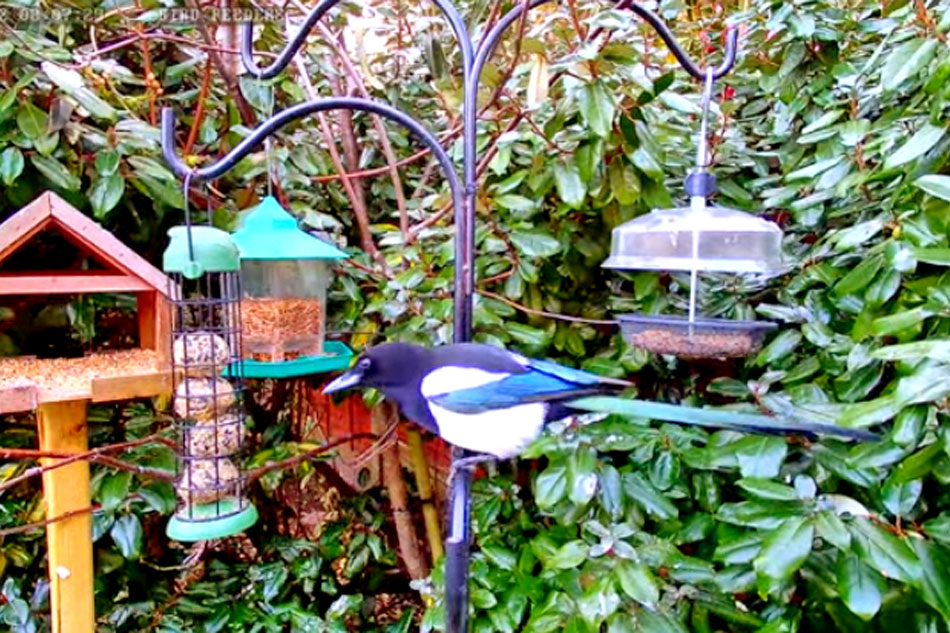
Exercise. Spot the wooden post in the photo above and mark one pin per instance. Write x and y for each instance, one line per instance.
(62, 427)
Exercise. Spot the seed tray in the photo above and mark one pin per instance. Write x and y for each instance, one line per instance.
(701, 338)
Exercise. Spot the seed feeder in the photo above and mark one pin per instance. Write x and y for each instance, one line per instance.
(204, 268)
(285, 273)
(697, 238)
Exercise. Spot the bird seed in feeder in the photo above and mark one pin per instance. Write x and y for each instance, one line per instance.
(207, 480)
(703, 338)
(221, 438)
(281, 329)
(201, 353)
(203, 398)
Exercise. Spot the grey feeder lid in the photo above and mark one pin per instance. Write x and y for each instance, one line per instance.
(728, 241)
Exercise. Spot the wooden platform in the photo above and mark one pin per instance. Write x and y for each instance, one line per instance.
(26, 383)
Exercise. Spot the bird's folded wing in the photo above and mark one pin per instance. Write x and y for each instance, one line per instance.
(574, 375)
(511, 391)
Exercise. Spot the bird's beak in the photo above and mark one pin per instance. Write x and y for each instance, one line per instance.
(350, 379)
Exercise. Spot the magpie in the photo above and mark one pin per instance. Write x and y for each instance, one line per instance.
(495, 403)
(478, 397)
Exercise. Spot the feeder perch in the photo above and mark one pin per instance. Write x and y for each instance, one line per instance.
(285, 273)
(59, 389)
(208, 402)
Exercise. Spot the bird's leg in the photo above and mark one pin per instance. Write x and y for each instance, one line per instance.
(468, 463)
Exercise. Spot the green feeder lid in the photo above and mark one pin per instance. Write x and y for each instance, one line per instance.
(270, 232)
(214, 252)
(205, 523)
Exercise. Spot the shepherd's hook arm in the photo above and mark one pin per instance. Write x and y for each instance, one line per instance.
(488, 43)
(293, 47)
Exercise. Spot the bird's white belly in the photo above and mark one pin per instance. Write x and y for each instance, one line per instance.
(502, 432)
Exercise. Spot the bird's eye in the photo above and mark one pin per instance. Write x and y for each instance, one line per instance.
(364, 363)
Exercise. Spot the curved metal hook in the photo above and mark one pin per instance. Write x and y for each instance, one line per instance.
(322, 7)
(488, 44)
(282, 118)
(729, 56)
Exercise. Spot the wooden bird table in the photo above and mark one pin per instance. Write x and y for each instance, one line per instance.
(59, 389)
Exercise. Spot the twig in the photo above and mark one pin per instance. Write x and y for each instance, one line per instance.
(20, 529)
(247, 113)
(290, 462)
(386, 146)
(199, 111)
(97, 454)
(384, 414)
(550, 315)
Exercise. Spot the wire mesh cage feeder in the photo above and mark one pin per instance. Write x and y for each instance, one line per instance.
(285, 273)
(203, 265)
(698, 238)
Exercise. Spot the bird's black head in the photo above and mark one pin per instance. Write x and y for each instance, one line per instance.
(385, 367)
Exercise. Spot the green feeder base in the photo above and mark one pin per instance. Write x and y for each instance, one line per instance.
(204, 526)
(337, 357)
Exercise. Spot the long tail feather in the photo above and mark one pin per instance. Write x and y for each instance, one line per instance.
(716, 418)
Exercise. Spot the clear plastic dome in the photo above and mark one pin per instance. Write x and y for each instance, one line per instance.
(727, 241)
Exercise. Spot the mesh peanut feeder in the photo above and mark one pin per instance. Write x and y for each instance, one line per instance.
(204, 268)
(697, 238)
(285, 272)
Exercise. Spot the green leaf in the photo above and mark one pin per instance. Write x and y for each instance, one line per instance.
(767, 489)
(780, 347)
(785, 550)
(583, 479)
(651, 499)
(597, 108)
(114, 489)
(55, 172)
(570, 187)
(936, 185)
(500, 557)
(760, 456)
(918, 144)
(514, 202)
(570, 555)
(861, 588)
(832, 529)
(550, 487)
(535, 243)
(935, 575)
(71, 83)
(885, 552)
(638, 582)
(105, 194)
(900, 497)
(107, 162)
(610, 491)
(906, 61)
(32, 121)
(824, 120)
(900, 321)
(127, 534)
(11, 165)
(934, 256)
(647, 163)
(859, 276)
(624, 183)
(258, 93)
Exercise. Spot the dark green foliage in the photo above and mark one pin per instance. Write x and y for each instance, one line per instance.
(834, 125)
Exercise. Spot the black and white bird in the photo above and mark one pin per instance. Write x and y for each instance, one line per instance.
(479, 397)
(495, 403)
